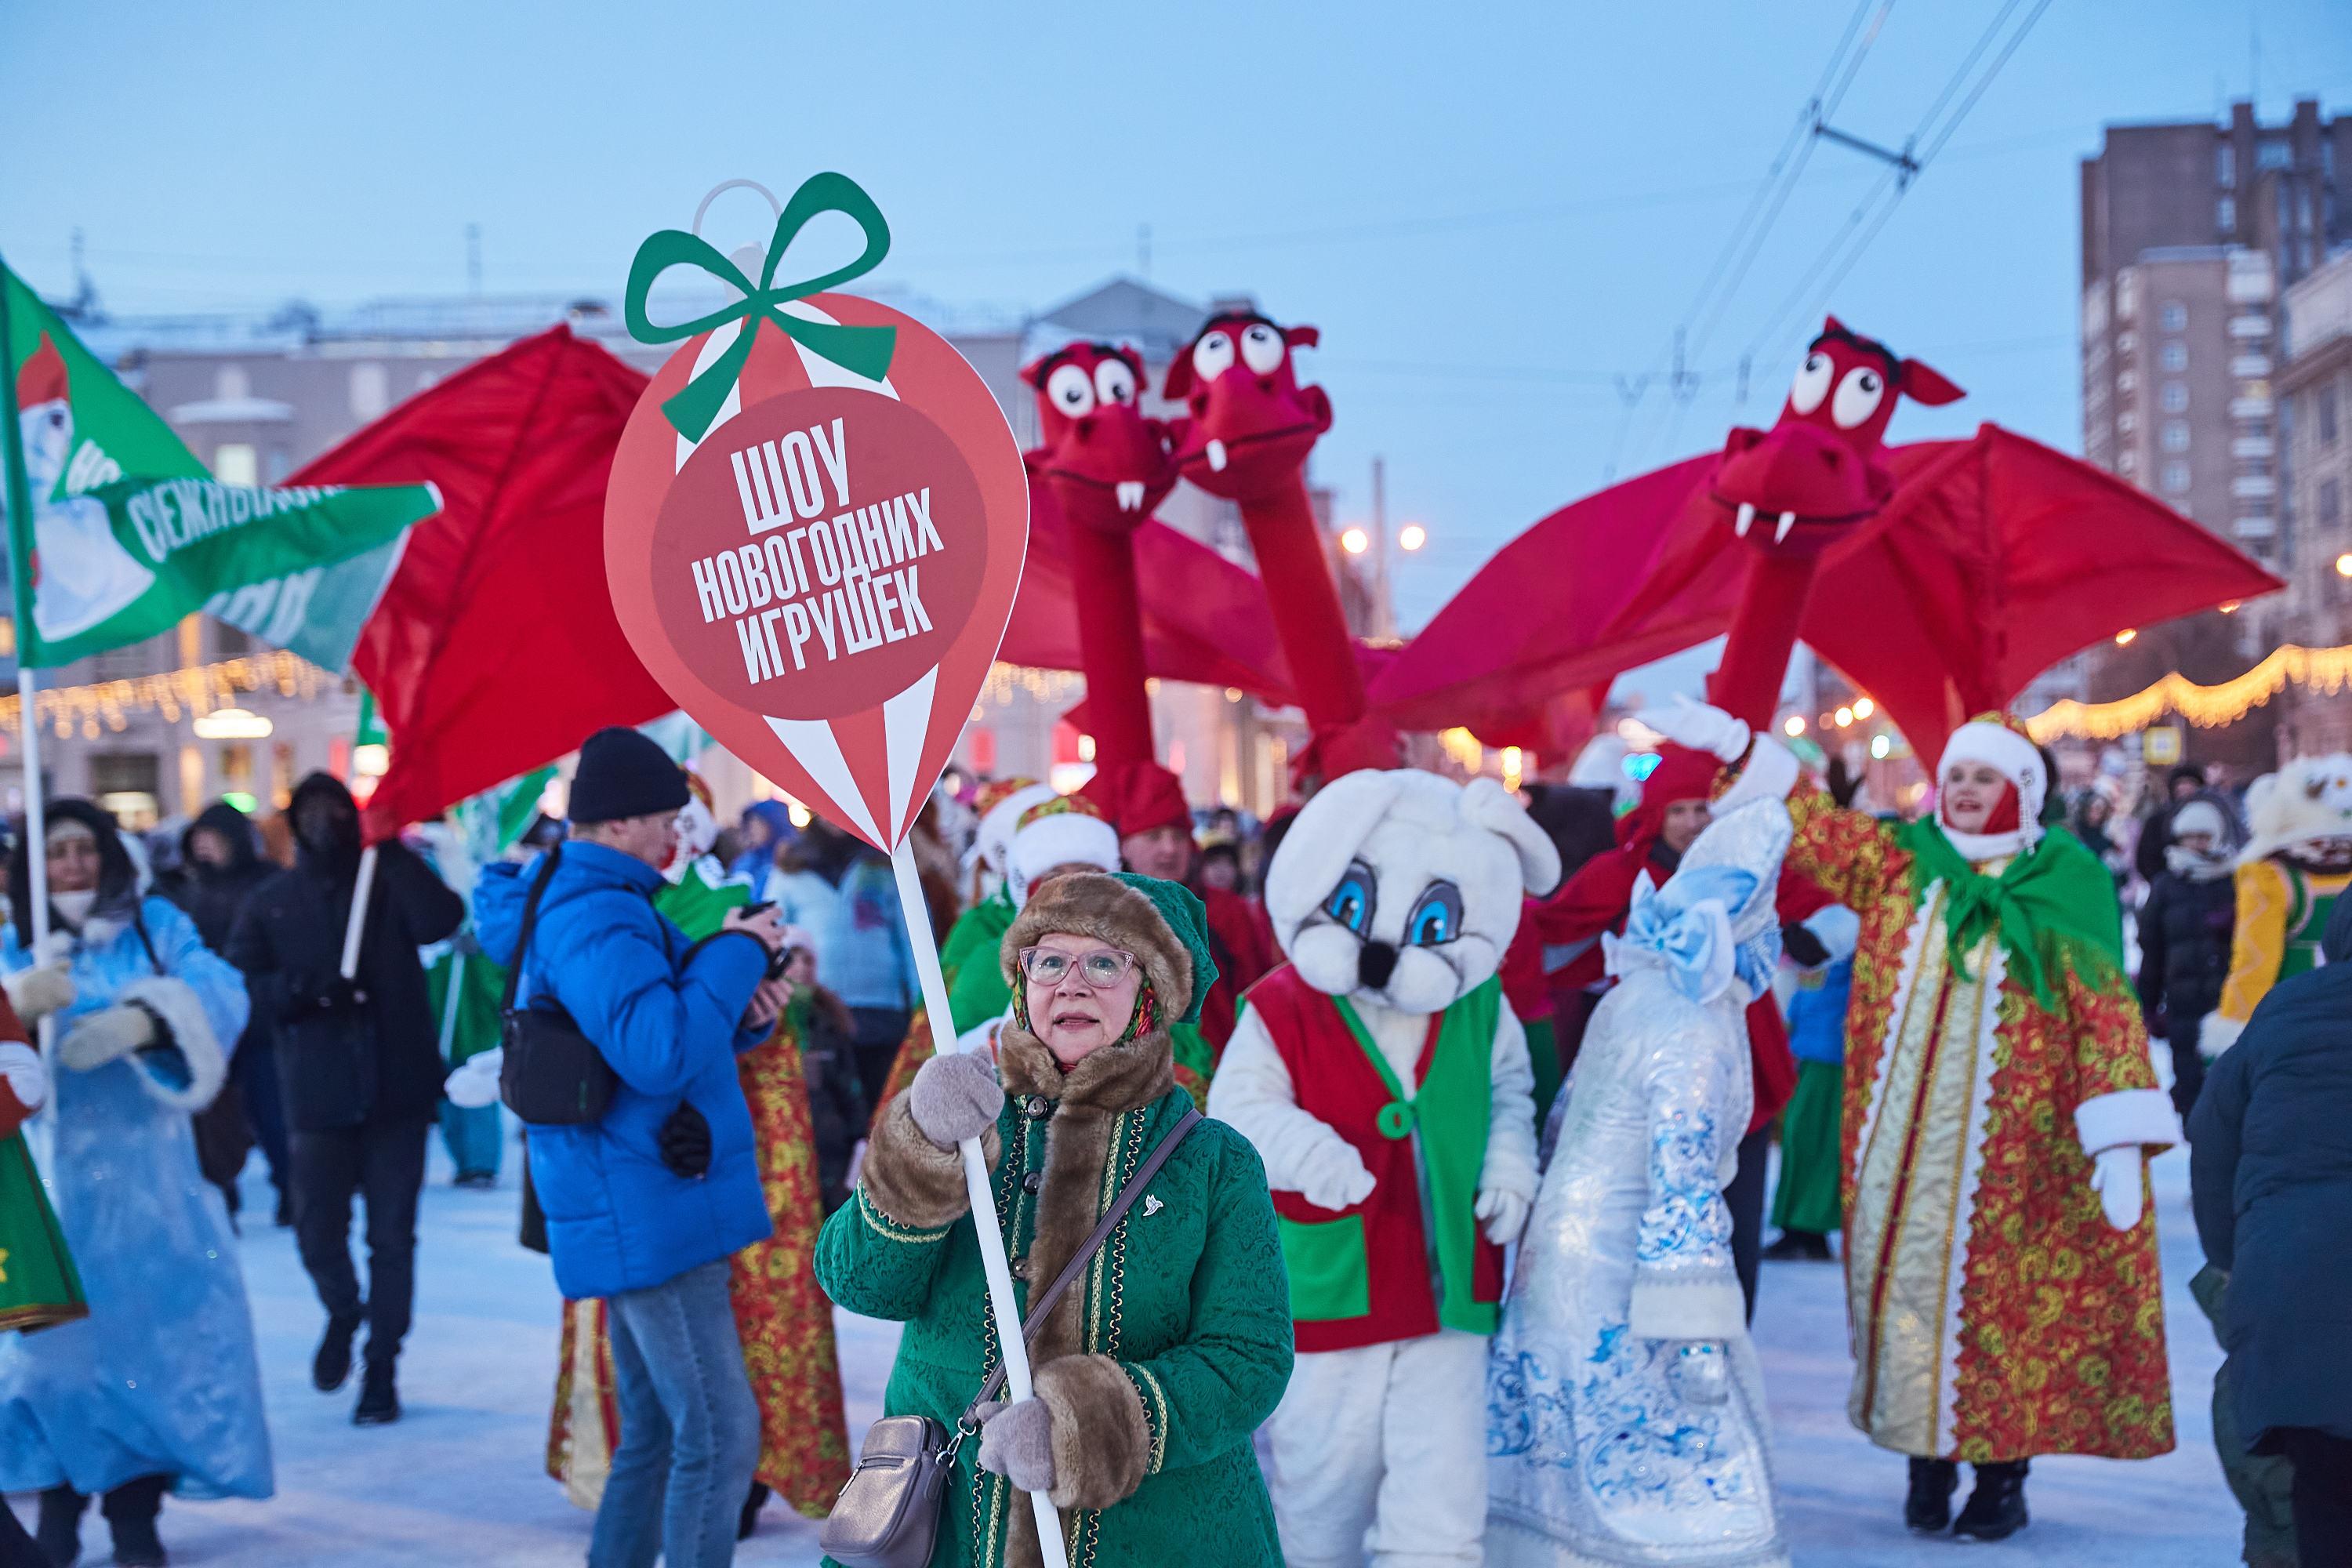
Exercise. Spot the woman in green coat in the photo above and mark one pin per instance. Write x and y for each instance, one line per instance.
(1154, 1370)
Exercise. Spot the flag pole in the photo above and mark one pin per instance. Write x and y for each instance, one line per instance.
(918, 917)
(35, 849)
(355, 928)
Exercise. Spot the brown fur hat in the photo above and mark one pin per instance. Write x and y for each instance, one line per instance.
(1091, 903)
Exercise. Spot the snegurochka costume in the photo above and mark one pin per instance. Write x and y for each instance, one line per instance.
(783, 1320)
(2296, 864)
(2001, 1272)
(1625, 1405)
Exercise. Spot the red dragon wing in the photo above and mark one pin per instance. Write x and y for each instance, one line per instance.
(1604, 584)
(1204, 618)
(1995, 558)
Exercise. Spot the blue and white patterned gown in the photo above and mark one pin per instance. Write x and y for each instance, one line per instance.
(1625, 1405)
(160, 1378)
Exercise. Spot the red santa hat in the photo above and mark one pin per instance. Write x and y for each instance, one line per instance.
(42, 377)
(1066, 830)
(2000, 742)
(1682, 773)
(1139, 796)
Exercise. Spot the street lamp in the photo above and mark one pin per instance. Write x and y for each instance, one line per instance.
(1864, 707)
(1355, 541)
(1411, 536)
(1793, 726)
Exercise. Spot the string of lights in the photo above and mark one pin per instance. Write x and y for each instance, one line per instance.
(2322, 670)
(106, 705)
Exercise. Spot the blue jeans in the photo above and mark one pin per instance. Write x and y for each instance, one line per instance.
(689, 1427)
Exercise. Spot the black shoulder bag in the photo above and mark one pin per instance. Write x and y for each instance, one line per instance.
(552, 1075)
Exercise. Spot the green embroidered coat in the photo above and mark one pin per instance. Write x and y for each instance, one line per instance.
(1159, 1362)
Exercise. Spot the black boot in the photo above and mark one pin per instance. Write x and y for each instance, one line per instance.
(332, 1366)
(378, 1400)
(58, 1533)
(1996, 1509)
(1928, 1509)
(130, 1510)
(749, 1518)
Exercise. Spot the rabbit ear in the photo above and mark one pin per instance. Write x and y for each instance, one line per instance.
(1329, 829)
(1486, 804)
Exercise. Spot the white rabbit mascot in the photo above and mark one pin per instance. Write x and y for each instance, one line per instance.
(1384, 1081)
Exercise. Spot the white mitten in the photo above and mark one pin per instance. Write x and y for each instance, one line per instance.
(1698, 1371)
(1503, 1212)
(20, 1064)
(37, 993)
(2115, 1177)
(105, 1036)
(1332, 1175)
(1701, 728)
(2217, 1034)
(474, 1083)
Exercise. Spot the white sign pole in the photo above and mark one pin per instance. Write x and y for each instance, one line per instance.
(36, 851)
(918, 917)
(356, 927)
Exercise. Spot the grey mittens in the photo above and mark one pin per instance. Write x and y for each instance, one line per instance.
(1016, 1441)
(954, 1097)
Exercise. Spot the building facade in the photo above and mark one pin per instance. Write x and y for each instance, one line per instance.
(2191, 235)
(2314, 391)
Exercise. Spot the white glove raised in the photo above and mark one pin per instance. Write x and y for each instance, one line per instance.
(1700, 727)
(1698, 1371)
(39, 992)
(475, 1084)
(2115, 1177)
(105, 1036)
(1504, 1213)
(28, 1078)
(1332, 1175)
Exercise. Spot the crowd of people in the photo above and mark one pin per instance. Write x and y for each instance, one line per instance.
(1472, 1232)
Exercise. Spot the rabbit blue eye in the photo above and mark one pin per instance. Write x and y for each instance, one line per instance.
(1353, 902)
(1436, 916)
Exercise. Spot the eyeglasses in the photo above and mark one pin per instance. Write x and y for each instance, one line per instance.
(1100, 969)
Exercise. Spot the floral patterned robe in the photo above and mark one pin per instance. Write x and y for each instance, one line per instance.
(1995, 1314)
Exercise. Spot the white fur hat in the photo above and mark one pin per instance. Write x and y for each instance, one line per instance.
(1061, 830)
(1999, 742)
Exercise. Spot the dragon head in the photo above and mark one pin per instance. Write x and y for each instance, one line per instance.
(1107, 463)
(1822, 468)
(1251, 424)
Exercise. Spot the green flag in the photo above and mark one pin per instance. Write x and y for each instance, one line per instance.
(116, 532)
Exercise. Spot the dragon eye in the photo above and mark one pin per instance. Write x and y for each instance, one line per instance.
(1436, 916)
(1353, 902)
(1858, 397)
(1261, 349)
(1812, 382)
(1114, 383)
(1071, 391)
(1213, 356)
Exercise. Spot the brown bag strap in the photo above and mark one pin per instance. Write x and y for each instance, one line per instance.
(1085, 1254)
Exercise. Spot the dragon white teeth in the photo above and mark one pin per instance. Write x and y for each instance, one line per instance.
(1747, 516)
(1788, 522)
(1215, 452)
(1131, 495)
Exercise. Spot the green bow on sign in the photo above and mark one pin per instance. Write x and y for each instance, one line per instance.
(861, 351)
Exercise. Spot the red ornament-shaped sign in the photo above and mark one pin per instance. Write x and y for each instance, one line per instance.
(821, 576)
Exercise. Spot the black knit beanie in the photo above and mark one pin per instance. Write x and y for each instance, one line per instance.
(624, 773)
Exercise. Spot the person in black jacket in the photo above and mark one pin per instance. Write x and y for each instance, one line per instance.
(220, 866)
(2270, 1179)
(2185, 783)
(2185, 929)
(360, 1063)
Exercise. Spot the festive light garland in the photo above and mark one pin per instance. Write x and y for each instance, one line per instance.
(2324, 670)
(195, 689)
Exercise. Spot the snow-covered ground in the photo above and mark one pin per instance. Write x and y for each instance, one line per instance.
(461, 1479)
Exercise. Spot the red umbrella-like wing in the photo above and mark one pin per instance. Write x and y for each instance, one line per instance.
(1996, 558)
(495, 647)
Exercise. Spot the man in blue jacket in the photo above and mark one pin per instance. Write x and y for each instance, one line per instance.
(645, 1206)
